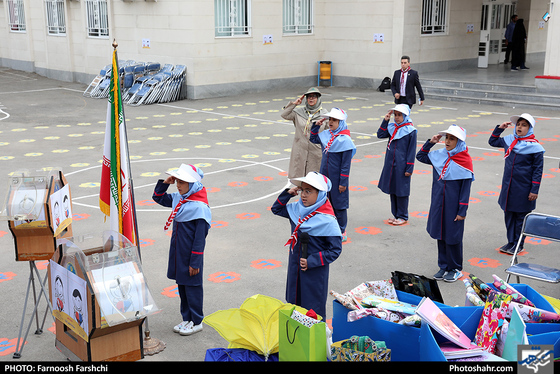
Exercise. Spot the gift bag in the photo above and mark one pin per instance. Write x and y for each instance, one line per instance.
(417, 284)
(303, 340)
(360, 348)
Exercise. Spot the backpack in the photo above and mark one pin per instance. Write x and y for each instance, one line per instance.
(385, 84)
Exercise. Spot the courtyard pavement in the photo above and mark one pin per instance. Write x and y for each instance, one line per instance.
(243, 146)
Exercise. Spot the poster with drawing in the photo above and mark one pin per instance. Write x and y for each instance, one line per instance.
(68, 296)
(61, 209)
(119, 292)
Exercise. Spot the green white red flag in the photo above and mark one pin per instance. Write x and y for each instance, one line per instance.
(115, 195)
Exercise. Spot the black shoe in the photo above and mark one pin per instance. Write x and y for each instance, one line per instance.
(506, 247)
(524, 68)
(511, 251)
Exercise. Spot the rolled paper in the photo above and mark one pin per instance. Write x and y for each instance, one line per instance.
(516, 296)
(347, 302)
(531, 314)
(474, 299)
(481, 288)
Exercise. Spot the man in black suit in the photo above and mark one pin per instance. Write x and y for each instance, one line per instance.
(403, 84)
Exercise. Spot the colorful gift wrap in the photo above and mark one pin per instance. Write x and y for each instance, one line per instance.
(361, 349)
(493, 317)
(403, 340)
(536, 298)
(506, 288)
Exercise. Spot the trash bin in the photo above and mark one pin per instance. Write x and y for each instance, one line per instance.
(324, 73)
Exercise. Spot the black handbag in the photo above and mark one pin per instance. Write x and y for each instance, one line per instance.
(417, 285)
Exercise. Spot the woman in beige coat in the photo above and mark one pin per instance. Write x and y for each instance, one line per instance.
(305, 156)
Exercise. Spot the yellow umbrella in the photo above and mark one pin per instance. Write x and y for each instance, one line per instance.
(253, 326)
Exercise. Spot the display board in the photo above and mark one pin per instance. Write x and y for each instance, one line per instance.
(108, 324)
(32, 219)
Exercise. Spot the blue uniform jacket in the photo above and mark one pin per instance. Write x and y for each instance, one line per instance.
(336, 167)
(522, 175)
(399, 159)
(310, 286)
(450, 198)
(187, 242)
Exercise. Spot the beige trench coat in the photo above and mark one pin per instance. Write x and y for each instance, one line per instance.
(305, 156)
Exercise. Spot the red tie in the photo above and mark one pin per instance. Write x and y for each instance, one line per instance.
(530, 138)
(403, 72)
(173, 214)
(293, 238)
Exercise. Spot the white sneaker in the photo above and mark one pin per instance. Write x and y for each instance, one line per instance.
(181, 326)
(191, 329)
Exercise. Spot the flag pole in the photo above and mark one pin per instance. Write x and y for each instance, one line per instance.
(151, 345)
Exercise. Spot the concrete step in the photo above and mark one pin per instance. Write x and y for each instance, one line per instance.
(489, 93)
(479, 86)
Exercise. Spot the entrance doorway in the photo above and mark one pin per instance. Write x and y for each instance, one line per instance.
(494, 20)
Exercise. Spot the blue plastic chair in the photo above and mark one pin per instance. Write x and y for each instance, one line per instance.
(540, 226)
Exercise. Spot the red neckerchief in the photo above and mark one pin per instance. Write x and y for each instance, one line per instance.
(198, 196)
(331, 140)
(530, 138)
(326, 208)
(395, 132)
(462, 159)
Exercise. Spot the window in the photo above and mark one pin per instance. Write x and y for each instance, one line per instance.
(97, 18)
(16, 15)
(434, 17)
(297, 17)
(233, 17)
(56, 20)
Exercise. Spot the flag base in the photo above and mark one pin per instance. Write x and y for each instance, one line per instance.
(152, 346)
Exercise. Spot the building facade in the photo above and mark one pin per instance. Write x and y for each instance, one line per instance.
(236, 46)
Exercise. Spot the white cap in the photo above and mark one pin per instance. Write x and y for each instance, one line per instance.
(403, 108)
(317, 180)
(525, 116)
(336, 113)
(457, 131)
(187, 173)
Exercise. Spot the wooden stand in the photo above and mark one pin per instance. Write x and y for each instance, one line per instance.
(122, 342)
(37, 242)
(34, 242)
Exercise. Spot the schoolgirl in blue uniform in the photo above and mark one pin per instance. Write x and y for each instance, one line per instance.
(308, 261)
(337, 149)
(451, 186)
(524, 159)
(399, 160)
(190, 220)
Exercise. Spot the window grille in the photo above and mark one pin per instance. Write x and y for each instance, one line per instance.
(16, 15)
(232, 17)
(434, 17)
(56, 19)
(97, 18)
(297, 17)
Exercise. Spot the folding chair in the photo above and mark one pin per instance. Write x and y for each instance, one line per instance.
(540, 226)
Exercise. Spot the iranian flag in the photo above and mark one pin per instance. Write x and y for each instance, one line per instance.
(115, 195)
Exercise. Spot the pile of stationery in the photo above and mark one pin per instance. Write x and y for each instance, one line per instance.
(378, 299)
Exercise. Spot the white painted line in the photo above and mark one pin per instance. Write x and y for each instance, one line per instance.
(6, 115)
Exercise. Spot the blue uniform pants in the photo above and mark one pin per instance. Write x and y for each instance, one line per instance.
(191, 303)
(514, 224)
(450, 256)
(342, 218)
(399, 206)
